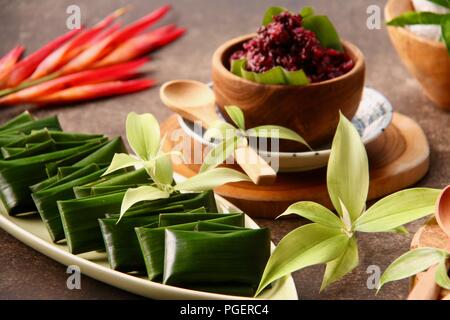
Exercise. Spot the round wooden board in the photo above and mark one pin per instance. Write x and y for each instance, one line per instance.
(398, 159)
(430, 235)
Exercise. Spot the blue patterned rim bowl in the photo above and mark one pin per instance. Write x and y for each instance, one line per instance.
(374, 115)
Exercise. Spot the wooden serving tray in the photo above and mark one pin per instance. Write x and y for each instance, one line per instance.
(430, 235)
(398, 159)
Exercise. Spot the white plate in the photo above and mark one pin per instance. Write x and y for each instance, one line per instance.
(31, 231)
(373, 116)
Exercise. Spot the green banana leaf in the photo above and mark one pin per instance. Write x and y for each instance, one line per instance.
(51, 168)
(6, 139)
(216, 227)
(46, 200)
(122, 246)
(170, 219)
(37, 149)
(197, 210)
(145, 212)
(324, 30)
(139, 176)
(276, 75)
(64, 136)
(59, 137)
(195, 257)
(96, 191)
(51, 123)
(35, 136)
(104, 154)
(22, 118)
(16, 176)
(80, 216)
(80, 220)
(70, 144)
(113, 183)
(43, 184)
(151, 241)
(7, 152)
(63, 172)
(187, 200)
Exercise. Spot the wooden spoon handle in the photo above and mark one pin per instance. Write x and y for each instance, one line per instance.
(254, 166)
(426, 287)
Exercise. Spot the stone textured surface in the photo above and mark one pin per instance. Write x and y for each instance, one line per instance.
(26, 274)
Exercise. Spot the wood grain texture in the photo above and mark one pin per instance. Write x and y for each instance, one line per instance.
(428, 61)
(398, 159)
(430, 235)
(312, 111)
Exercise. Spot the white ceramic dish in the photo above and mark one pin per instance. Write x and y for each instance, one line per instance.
(373, 116)
(31, 231)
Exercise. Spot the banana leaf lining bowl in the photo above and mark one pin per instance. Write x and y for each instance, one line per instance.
(312, 110)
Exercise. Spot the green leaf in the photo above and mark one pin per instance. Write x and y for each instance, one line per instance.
(343, 265)
(237, 65)
(398, 209)
(236, 114)
(314, 212)
(346, 219)
(442, 278)
(445, 25)
(220, 130)
(276, 132)
(324, 30)
(399, 230)
(270, 13)
(411, 263)
(136, 195)
(211, 179)
(163, 170)
(307, 11)
(272, 76)
(143, 135)
(443, 3)
(121, 161)
(219, 154)
(348, 170)
(305, 246)
(295, 78)
(248, 75)
(411, 18)
(276, 75)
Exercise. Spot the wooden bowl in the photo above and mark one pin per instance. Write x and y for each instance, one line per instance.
(312, 111)
(430, 235)
(428, 61)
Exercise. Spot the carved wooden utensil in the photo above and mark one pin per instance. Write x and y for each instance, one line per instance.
(195, 101)
(426, 287)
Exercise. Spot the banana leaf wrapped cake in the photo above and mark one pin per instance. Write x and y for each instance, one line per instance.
(214, 252)
(178, 237)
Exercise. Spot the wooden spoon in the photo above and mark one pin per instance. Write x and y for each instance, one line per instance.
(195, 101)
(426, 287)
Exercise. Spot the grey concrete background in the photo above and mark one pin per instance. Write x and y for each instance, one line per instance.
(26, 274)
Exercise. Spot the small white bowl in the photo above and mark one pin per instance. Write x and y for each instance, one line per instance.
(373, 116)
